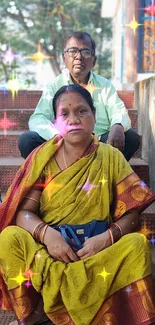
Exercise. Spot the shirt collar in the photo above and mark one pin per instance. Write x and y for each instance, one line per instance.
(68, 76)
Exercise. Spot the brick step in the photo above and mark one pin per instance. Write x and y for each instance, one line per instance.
(28, 99)
(8, 168)
(147, 221)
(9, 144)
(141, 168)
(18, 119)
(10, 165)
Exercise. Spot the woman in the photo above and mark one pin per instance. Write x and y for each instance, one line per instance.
(72, 179)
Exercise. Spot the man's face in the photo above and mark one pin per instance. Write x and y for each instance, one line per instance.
(77, 65)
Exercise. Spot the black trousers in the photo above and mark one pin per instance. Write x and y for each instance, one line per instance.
(30, 140)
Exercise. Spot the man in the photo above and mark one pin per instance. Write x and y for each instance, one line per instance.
(112, 121)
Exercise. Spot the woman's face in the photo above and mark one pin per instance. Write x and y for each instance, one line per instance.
(75, 120)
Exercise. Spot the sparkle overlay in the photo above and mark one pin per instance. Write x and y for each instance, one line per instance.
(9, 56)
(27, 216)
(133, 25)
(150, 10)
(39, 56)
(28, 284)
(128, 290)
(152, 240)
(103, 181)
(87, 187)
(6, 124)
(19, 278)
(14, 85)
(104, 274)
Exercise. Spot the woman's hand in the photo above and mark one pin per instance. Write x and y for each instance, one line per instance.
(94, 245)
(58, 248)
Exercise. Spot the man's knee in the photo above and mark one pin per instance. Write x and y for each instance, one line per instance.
(132, 139)
(28, 141)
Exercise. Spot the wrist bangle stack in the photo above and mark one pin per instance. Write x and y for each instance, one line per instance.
(111, 237)
(115, 232)
(43, 234)
(39, 231)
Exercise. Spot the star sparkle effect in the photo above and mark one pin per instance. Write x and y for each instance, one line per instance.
(28, 284)
(128, 289)
(104, 274)
(9, 56)
(103, 181)
(87, 187)
(14, 85)
(133, 25)
(19, 278)
(38, 255)
(152, 240)
(47, 96)
(91, 88)
(6, 124)
(27, 216)
(150, 10)
(39, 56)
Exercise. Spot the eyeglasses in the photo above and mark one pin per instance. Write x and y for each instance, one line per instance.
(73, 52)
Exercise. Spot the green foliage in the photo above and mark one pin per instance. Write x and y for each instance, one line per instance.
(25, 23)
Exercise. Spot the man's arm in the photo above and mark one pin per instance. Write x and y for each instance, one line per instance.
(117, 115)
(41, 120)
(116, 111)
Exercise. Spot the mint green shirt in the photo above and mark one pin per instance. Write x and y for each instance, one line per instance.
(109, 107)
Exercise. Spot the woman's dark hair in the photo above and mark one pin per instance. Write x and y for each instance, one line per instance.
(81, 36)
(72, 89)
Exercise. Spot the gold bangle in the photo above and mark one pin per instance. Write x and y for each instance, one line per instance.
(37, 230)
(43, 234)
(116, 231)
(111, 236)
(31, 198)
(119, 228)
(36, 227)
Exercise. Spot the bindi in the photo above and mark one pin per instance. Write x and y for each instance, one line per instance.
(70, 104)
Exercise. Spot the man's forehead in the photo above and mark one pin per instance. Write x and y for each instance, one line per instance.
(86, 42)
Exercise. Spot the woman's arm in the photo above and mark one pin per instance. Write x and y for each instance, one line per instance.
(28, 219)
(128, 223)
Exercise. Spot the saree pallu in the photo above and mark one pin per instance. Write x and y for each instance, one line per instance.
(84, 191)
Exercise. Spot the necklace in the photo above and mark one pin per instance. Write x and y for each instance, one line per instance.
(64, 159)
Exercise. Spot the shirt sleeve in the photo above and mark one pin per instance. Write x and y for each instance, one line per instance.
(41, 120)
(116, 111)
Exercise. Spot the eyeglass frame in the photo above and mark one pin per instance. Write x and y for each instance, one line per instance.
(79, 51)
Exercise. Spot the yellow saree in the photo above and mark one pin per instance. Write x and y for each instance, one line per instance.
(101, 186)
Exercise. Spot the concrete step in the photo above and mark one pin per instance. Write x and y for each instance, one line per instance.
(26, 99)
(17, 119)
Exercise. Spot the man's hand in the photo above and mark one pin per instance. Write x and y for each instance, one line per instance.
(94, 245)
(58, 248)
(116, 137)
